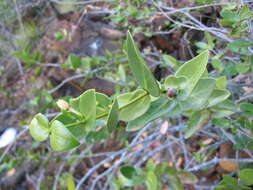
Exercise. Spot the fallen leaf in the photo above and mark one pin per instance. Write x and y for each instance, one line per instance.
(187, 177)
(226, 151)
(229, 166)
(207, 141)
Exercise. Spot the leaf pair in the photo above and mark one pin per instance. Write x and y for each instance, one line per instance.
(204, 95)
(83, 110)
(60, 137)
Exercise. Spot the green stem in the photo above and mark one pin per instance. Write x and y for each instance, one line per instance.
(102, 115)
(74, 124)
(76, 112)
(134, 100)
(129, 103)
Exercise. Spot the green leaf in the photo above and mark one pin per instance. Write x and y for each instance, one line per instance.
(217, 96)
(210, 40)
(67, 118)
(202, 45)
(113, 116)
(230, 69)
(238, 45)
(70, 182)
(224, 109)
(87, 102)
(127, 174)
(193, 70)
(246, 176)
(229, 17)
(175, 82)
(221, 82)
(59, 35)
(140, 70)
(174, 179)
(196, 122)
(216, 63)
(97, 136)
(74, 61)
(102, 104)
(247, 108)
(87, 107)
(122, 73)
(205, 74)
(220, 113)
(230, 181)
(115, 184)
(200, 94)
(158, 108)
(39, 127)
(170, 61)
(135, 109)
(242, 68)
(152, 181)
(187, 177)
(150, 165)
(74, 103)
(160, 169)
(61, 138)
(28, 57)
(222, 122)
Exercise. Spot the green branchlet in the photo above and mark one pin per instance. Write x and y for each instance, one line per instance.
(190, 91)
